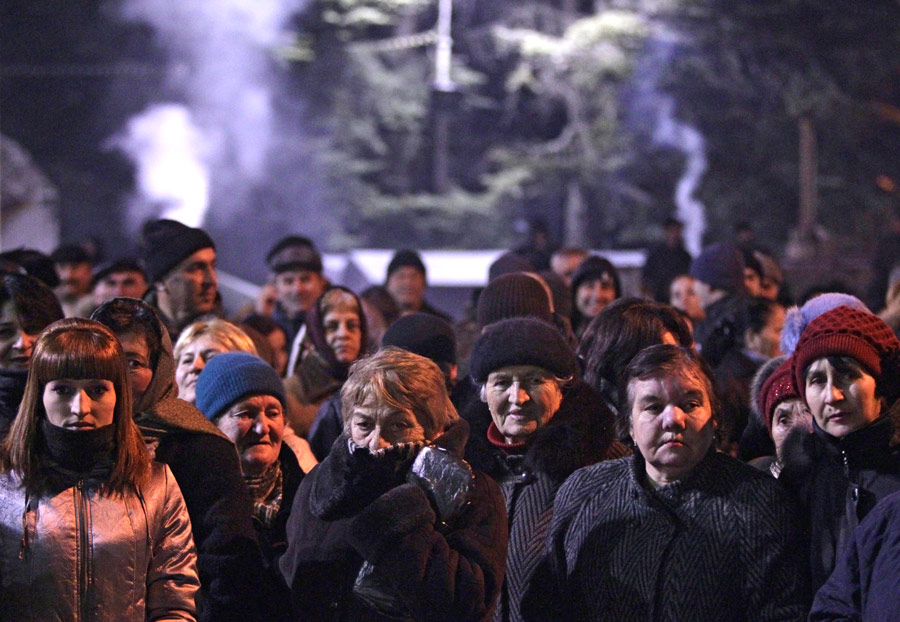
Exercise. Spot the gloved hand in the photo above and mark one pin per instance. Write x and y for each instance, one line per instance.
(386, 468)
(445, 479)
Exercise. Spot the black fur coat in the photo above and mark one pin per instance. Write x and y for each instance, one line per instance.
(354, 507)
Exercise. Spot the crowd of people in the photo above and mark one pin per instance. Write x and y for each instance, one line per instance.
(703, 449)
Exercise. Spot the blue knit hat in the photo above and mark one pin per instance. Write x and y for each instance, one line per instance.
(231, 376)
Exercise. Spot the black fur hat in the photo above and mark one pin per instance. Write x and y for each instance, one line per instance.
(521, 341)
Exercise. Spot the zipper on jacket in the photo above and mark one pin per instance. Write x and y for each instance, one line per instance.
(854, 488)
(83, 560)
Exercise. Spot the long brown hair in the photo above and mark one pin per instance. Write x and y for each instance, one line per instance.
(75, 349)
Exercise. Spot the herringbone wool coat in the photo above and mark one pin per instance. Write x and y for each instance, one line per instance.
(580, 433)
(720, 545)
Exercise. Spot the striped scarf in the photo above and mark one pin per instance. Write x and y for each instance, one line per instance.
(266, 491)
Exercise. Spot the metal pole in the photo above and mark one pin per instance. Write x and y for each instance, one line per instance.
(442, 81)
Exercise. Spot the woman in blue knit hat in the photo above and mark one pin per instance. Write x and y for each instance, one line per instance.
(244, 397)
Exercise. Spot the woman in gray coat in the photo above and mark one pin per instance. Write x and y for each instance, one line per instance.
(677, 531)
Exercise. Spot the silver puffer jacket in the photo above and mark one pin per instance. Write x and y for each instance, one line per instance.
(83, 556)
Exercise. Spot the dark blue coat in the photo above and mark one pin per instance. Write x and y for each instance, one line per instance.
(865, 585)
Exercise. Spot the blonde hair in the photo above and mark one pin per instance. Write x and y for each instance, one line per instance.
(404, 381)
(229, 335)
(76, 349)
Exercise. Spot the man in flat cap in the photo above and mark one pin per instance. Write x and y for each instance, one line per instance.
(297, 281)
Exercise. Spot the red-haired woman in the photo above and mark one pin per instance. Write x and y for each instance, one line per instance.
(90, 529)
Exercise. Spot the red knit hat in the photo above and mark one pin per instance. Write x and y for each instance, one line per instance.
(844, 331)
(779, 386)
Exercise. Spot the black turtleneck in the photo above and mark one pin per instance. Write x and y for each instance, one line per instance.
(74, 455)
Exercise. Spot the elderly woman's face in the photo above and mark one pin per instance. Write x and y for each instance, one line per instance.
(376, 426)
(522, 399)
(788, 415)
(191, 361)
(840, 401)
(256, 426)
(672, 424)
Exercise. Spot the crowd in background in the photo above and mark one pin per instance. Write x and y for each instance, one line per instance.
(703, 450)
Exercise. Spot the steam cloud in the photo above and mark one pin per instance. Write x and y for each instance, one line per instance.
(211, 146)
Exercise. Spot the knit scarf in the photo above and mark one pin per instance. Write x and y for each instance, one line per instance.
(266, 491)
(74, 455)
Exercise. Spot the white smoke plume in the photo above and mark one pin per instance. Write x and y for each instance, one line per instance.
(172, 175)
(210, 145)
(689, 141)
(652, 103)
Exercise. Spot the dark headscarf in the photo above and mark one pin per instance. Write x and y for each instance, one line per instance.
(159, 406)
(315, 330)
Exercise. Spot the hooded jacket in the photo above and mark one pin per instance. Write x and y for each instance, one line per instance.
(88, 556)
(580, 433)
(207, 468)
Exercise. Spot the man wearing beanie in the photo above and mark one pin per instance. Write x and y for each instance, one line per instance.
(845, 367)
(244, 397)
(406, 282)
(719, 275)
(297, 281)
(535, 424)
(181, 269)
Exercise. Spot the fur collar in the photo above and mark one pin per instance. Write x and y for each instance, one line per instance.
(580, 433)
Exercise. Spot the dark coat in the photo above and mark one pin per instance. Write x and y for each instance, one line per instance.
(663, 264)
(719, 545)
(206, 466)
(327, 426)
(864, 584)
(350, 508)
(837, 481)
(579, 434)
(12, 388)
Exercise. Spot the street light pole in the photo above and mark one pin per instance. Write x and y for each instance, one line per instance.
(442, 91)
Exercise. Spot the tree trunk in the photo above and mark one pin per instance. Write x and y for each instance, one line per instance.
(576, 221)
(809, 199)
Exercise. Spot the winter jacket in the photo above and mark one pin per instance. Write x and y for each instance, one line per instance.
(719, 545)
(580, 433)
(836, 482)
(863, 586)
(352, 508)
(89, 556)
(12, 388)
(328, 425)
(208, 470)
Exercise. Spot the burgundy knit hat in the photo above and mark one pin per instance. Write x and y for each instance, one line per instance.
(778, 387)
(844, 331)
